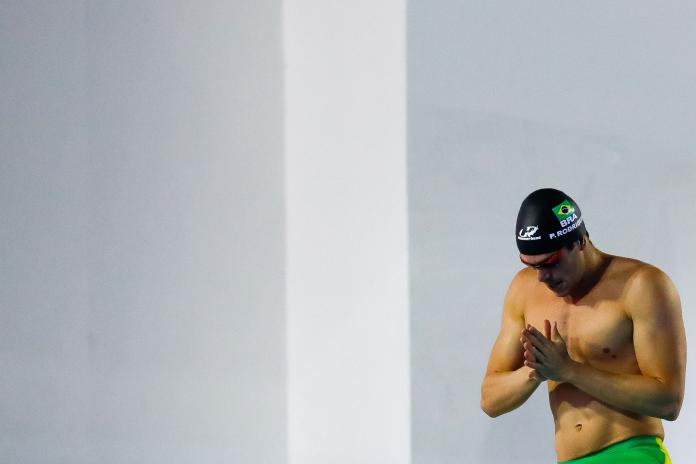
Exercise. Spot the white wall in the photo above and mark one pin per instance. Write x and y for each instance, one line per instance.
(348, 350)
(593, 98)
(143, 247)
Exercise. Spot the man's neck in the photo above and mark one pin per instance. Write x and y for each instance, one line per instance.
(596, 264)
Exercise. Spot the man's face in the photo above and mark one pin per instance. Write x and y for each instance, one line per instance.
(560, 270)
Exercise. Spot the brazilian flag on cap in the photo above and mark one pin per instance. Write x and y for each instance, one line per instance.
(564, 210)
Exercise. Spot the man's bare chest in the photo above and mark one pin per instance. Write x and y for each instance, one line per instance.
(598, 333)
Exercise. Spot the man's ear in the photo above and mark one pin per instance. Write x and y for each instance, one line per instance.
(583, 242)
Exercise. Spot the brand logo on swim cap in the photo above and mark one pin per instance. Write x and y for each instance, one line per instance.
(528, 233)
(564, 210)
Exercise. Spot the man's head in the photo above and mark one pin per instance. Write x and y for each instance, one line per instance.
(551, 238)
(563, 269)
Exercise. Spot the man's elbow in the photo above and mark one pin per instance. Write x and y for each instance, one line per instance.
(672, 409)
(489, 412)
(484, 408)
(489, 409)
(672, 412)
(670, 415)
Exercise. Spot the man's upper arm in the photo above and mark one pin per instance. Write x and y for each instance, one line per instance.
(658, 329)
(507, 352)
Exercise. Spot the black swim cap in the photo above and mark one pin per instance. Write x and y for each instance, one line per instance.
(548, 220)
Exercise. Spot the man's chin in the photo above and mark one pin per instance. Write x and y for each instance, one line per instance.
(559, 289)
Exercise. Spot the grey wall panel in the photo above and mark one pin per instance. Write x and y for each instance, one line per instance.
(43, 233)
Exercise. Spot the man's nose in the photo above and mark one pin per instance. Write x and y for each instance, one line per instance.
(544, 275)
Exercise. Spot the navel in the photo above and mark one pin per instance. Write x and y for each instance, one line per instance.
(578, 427)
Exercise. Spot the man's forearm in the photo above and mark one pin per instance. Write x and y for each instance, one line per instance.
(632, 392)
(502, 392)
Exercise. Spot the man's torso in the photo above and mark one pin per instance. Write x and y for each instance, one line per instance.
(598, 332)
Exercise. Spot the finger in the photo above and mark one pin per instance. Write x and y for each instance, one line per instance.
(532, 341)
(539, 355)
(528, 354)
(534, 332)
(525, 338)
(557, 333)
(523, 335)
(547, 329)
(537, 339)
(533, 365)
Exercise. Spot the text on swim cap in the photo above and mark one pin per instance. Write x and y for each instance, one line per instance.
(569, 220)
(571, 228)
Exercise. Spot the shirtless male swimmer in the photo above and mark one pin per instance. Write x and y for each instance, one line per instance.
(606, 332)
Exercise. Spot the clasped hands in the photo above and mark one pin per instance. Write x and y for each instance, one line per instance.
(546, 354)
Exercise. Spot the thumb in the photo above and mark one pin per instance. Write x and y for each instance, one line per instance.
(556, 333)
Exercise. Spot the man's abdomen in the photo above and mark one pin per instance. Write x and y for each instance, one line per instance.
(584, 424)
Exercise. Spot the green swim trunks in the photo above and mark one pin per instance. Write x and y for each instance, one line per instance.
(643, 449)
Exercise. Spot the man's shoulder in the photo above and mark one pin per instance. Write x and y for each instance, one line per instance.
(640, 280)
(633, 272)
(523, 280)
(523, 287)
